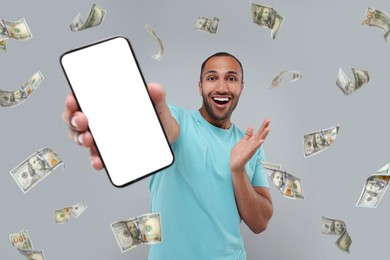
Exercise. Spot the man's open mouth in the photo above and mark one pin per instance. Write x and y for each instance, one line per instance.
(221, 100)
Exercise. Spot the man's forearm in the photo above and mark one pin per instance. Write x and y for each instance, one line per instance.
(254, 204)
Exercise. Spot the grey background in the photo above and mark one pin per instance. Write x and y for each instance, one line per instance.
(316, 38)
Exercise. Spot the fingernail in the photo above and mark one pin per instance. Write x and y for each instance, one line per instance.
(80, 138)
(73, 122)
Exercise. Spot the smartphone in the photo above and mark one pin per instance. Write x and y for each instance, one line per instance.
(110, 89)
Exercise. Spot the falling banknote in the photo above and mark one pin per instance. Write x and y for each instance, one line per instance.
(266, 16)
(379, 19)
(18, 30)
(144, 229)
(296, 76)
(337, 227)
(22, 242)
(62, 215)
(18, 96)
(207, 25)
(316, 142)
(346, 85)
(95, 17)
(35, 168)
(374, 189)
(160, 52)
(289, 185)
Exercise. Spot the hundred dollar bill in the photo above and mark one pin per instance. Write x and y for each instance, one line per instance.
(332, 226)
(266, 16)
(379, 19)
(271, 166)
(316, 142)
(347, 86)
(144, 229)
(95, 17)
(289, 185)
(35, 168)
(33, 254)
(78, 209)
(21, 240)
(62, 215)
(207, 25)
(18, 30)
(160, 52)
(18, 96)
(275, 82)
(374, 189)
(344, 241)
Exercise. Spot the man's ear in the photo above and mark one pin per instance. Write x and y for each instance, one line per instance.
(200, 87)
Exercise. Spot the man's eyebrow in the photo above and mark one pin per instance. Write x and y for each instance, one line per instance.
(228, 72)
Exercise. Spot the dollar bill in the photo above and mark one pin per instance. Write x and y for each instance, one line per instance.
(160, 52)
(344, 241)
(316, 142)
(144, 229)
(207, 25)
(95, 17)
(374, 188)
(379, 19)
(18, 30)
(21, 240)
(271, 166)
(296, 75)
(62, 215)
(345, 83)
(18, 96)
(78, 209)
(332, 226)
(36, 168)
(33, 254)
(265, 16)
(289, 185)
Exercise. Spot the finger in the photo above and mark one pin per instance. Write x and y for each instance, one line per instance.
(71, 106)
(157, 94)
(79, 121)
(75, 136)
(265, 124)
(249, 133)
(96, 162)
(264, 134)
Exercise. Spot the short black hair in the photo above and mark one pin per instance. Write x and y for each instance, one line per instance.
(220, 54)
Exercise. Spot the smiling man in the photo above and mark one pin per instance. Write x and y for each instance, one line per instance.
(217, 179)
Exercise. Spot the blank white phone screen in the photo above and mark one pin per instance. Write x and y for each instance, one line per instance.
(110, 90)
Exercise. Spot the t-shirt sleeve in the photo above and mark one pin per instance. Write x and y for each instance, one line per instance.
(176, 112)
(260, 174)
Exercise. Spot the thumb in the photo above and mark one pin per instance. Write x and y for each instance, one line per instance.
(157, 94)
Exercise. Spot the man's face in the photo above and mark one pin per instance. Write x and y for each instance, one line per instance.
(220, 89)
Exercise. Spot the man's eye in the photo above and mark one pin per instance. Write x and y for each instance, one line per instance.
(232, 79)
(211, 78)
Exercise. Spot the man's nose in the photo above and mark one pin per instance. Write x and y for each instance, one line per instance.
(222, 86)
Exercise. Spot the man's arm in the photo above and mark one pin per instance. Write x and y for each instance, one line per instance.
(78, 123)
(254, 203)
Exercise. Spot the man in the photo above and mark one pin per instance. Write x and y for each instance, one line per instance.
(216, 179)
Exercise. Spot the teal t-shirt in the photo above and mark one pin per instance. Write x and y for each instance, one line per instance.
(195, 196)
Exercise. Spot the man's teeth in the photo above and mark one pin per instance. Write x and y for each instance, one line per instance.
(225, 99)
